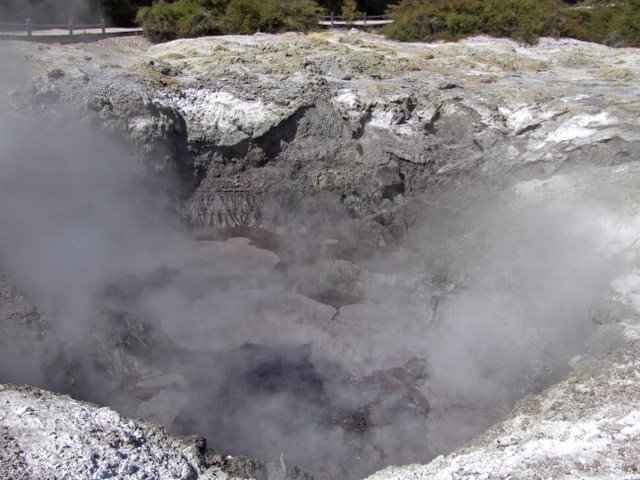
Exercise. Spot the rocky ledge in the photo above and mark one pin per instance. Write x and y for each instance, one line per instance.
(45, 435)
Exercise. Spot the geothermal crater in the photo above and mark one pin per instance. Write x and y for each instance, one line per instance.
(329, 253)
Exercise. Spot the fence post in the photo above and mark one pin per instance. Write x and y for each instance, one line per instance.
(70, 27)
(28, 27)
(332, 18)
(103, 25)
(364, 18)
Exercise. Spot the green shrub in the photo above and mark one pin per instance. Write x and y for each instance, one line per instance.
(272, 16)
(612, 23)
(453, 19)
(521, 19)
(301, 15)
(157, 25)
(244, 17)
(350, 10)
(191, 18)
(201, 24)
(182, 18)
(415, 20)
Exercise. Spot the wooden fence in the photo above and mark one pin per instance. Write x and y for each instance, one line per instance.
(74, 32)
(68, 32)
(333, 20)
(29, 27)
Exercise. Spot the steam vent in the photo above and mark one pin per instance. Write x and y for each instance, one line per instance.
(319, 256)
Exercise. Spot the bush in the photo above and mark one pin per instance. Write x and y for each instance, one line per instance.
(615, 24)
(182, 18)
(527, 20)
(272, 16)
(522, 19)
(201, 24)
(300, 15)
(245, 17)
(414, 20)
(190, 18)
(350, 10)
(453, 19)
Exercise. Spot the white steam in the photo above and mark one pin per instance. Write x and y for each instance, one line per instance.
(49, 11)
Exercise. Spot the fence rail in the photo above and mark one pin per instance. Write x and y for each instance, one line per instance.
(29, 27)
(17, 25)
(364, 20)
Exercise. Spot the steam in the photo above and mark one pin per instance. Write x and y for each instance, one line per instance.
(492, 290)
(74, 216)
(528, 273)
(48, 11)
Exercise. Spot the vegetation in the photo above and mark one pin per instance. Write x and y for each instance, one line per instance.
(189, 18)
(182, 18)
(272, 16)
(614, 23)
(350, 10)
(419, 20)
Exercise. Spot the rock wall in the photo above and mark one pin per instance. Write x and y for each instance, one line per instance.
(49, 435)
(247, 123)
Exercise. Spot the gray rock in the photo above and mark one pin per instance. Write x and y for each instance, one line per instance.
(55, 74)
(20, 320)
(48, 435)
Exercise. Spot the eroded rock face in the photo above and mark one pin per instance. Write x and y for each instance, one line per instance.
(248, 123)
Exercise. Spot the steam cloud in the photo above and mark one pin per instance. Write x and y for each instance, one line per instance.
(48, 11)
(499, 307)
